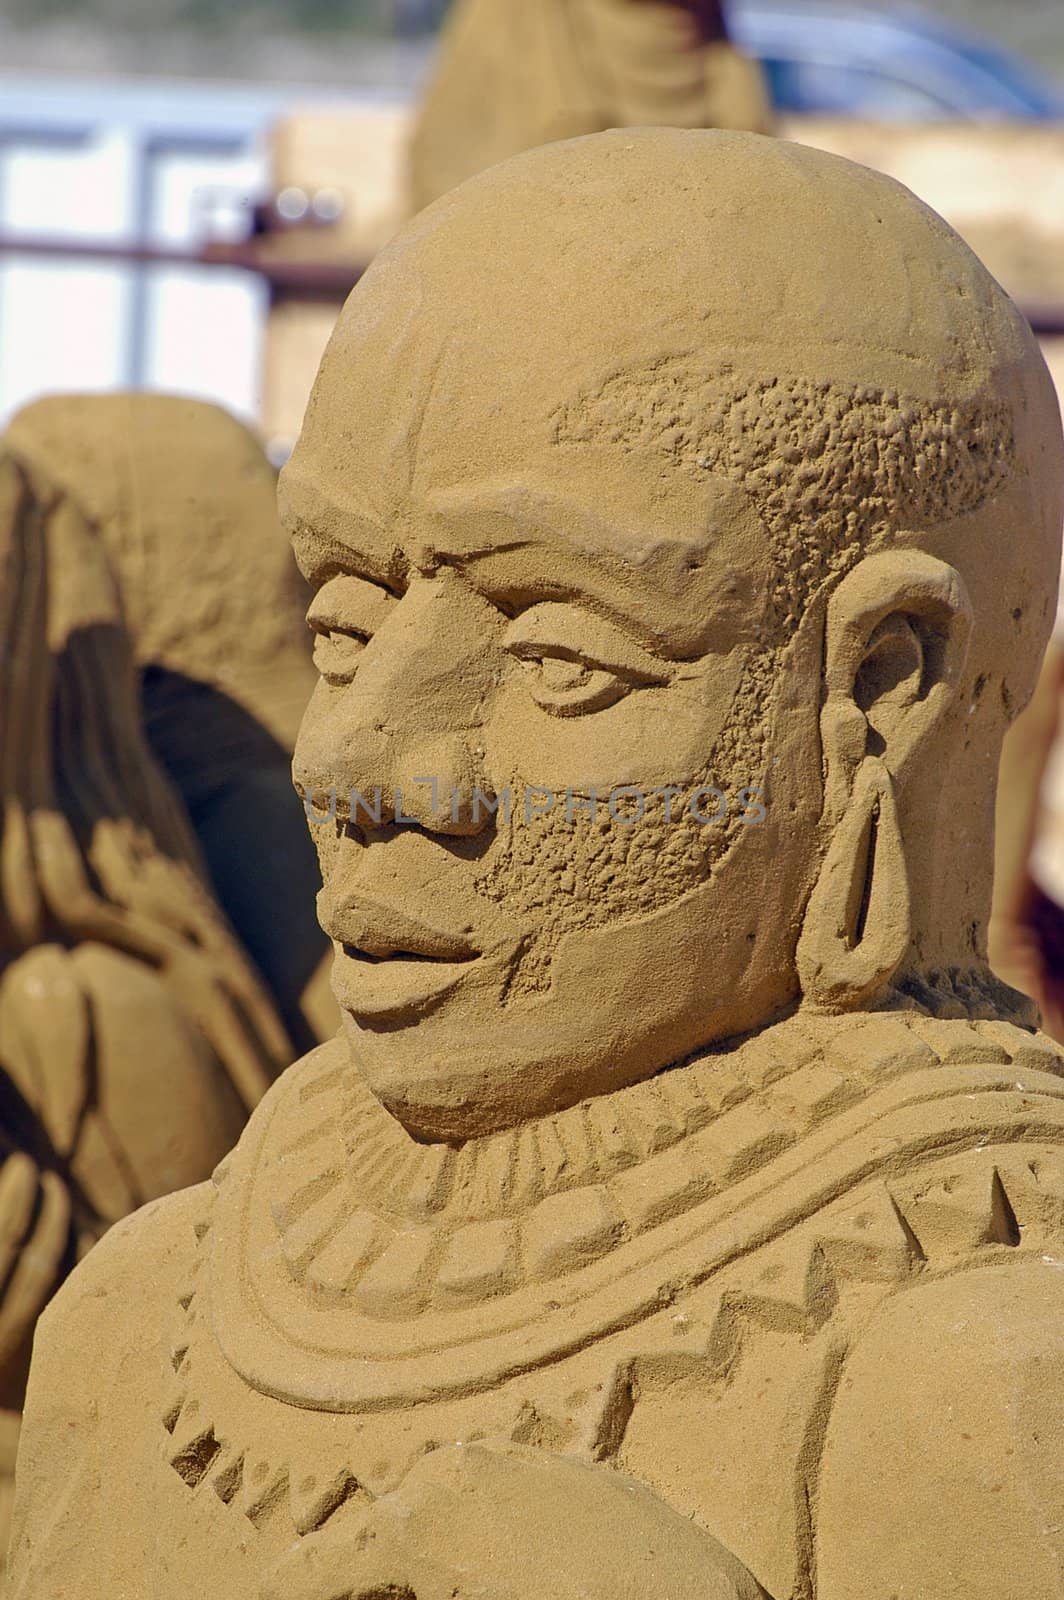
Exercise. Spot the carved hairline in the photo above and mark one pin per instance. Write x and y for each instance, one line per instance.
(830, 468)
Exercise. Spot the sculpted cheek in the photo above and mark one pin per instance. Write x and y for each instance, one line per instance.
(651, 737)
(558, 867)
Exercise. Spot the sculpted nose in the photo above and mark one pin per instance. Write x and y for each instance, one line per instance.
(408, 726)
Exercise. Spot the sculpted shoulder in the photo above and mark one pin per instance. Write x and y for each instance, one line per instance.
(136, 1266)
(110, 1331)
(122, 1291)
(79, 1460)
(952, 1398)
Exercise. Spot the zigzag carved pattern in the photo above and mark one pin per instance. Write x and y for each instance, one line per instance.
(260, 1490)
(976, 1211)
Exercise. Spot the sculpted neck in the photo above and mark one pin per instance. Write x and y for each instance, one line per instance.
(352, 1213)
(618, 1129)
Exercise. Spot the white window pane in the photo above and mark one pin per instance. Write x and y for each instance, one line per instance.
(196, 196)
(61, 327)
(84, 190)
(204, 335)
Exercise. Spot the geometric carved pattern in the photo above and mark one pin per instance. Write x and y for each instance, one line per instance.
(685, 1141)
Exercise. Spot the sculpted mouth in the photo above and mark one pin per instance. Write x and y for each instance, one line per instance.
(393, 966)
(376, 958)
(368, 930)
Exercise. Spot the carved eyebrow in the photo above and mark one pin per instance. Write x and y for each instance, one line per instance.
(464, 531)
(314, 519)
(321, 558)
(350, 604)
(497, 532)
(517, 574)
(579, 635)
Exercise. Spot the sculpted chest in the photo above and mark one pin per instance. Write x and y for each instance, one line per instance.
(675, 1310)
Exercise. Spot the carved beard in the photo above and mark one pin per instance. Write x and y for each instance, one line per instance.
(561, 871)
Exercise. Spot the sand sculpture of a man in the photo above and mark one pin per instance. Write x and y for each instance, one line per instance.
(682, 1210)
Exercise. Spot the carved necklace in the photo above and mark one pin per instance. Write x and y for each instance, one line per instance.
(347, 1270)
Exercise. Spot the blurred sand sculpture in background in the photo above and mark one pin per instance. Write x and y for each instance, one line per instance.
(37, 1250)
(511, 76)
(135, 1032)
(185, 503)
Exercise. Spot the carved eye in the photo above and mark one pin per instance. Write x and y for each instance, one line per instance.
(575, 663)
(344, 616)
(570, 687)
(336, 654)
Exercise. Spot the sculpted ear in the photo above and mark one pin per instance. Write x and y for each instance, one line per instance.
(897, 638)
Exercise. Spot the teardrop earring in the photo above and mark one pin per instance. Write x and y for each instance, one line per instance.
(856, 929)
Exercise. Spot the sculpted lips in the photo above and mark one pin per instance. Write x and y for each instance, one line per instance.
(392, 962)
(372, 928)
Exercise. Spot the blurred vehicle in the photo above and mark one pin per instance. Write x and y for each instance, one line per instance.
(841, 60)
